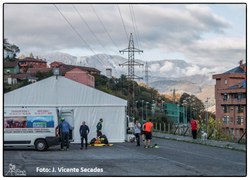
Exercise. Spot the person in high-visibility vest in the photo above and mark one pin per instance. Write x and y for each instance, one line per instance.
(148, 128)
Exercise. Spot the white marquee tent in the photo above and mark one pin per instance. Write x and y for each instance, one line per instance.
(77, 102)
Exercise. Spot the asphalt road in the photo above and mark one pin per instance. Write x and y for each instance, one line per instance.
(173, 158)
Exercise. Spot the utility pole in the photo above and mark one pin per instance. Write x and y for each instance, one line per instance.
(146, 73)
(131, 63)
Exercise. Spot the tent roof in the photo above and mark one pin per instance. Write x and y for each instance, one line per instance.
(60, 92)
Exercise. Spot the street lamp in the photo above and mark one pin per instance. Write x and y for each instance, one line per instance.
(152, 108)
(185, 105)
(178, 113)
(146, 110)
(142, 110)
(162, 103)
(136, 107)
(207, 113)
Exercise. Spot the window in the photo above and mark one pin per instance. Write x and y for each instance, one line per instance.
(240, 120)
(225, 81)
(226, 119)
(239, 96)
(240, 109)
(226, 97)
(226, 109)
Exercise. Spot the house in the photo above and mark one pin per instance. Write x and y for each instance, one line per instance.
(65, 68)
(81, 76)
(34, 71)
(230, 96)
(11, 67)
(29, 62)
(8, 53)
(12, 79)
(55, 64)
(77, 102)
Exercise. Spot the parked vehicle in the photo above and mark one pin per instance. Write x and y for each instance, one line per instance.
(31, 127)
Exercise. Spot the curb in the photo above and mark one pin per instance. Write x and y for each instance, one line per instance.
(226, 146)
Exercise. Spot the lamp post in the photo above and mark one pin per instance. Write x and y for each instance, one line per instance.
(178, 113)
(162, 103)
(136, 108)
(152, 108)
(142, 110)
(185, 105)
(146, 110)
(207, 114)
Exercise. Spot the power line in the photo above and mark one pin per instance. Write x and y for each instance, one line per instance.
(137, 32)
(133, 24)
(85, 22)
(77, 33)
(104, 27)
(124, 27)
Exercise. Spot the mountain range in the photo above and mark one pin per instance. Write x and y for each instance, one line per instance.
(164, 75)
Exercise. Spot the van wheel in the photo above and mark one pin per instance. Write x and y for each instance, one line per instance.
(41, 145)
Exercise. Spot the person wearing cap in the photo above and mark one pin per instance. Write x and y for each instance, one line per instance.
(64, 127)
(99, 128)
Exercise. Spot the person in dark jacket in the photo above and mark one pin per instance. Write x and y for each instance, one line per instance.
(84, 131)
(99, 128)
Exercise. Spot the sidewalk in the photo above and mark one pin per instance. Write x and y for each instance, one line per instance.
(221, 144)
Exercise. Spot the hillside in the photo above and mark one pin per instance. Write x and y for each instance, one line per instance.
(164, 75)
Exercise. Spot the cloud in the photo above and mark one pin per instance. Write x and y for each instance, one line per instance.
(193, 30)
(168, 66)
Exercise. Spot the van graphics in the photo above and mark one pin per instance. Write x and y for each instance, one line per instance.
(28, 121)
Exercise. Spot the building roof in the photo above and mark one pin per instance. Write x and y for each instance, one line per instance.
(60, 91)
(241, 85)
(237, 70)
(10, 64)
(65, 68)
(29, 59)
(35, 70)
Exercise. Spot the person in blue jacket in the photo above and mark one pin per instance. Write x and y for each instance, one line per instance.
(64, 128)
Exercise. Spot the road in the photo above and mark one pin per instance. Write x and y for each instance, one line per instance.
(173, 158)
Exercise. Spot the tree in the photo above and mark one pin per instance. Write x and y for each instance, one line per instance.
(10, 47)
(31, 55)
(195, 107)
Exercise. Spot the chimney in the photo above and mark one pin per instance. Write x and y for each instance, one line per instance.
(242, 66)
(109, 72)
(241, 62)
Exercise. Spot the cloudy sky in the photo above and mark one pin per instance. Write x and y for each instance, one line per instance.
(206, 34)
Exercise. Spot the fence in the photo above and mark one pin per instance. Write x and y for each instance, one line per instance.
(185, 130)
(181, 129)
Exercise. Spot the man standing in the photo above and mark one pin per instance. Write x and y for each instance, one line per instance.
(137, 132)
(148, 128)
(64, 132)
(99, 128)
(84, 131)
(194, 128)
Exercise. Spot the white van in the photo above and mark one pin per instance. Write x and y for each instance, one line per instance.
(30, 127)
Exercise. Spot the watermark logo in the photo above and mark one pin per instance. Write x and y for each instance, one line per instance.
(13, 171)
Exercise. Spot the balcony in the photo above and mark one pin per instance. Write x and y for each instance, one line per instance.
(234, 102)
